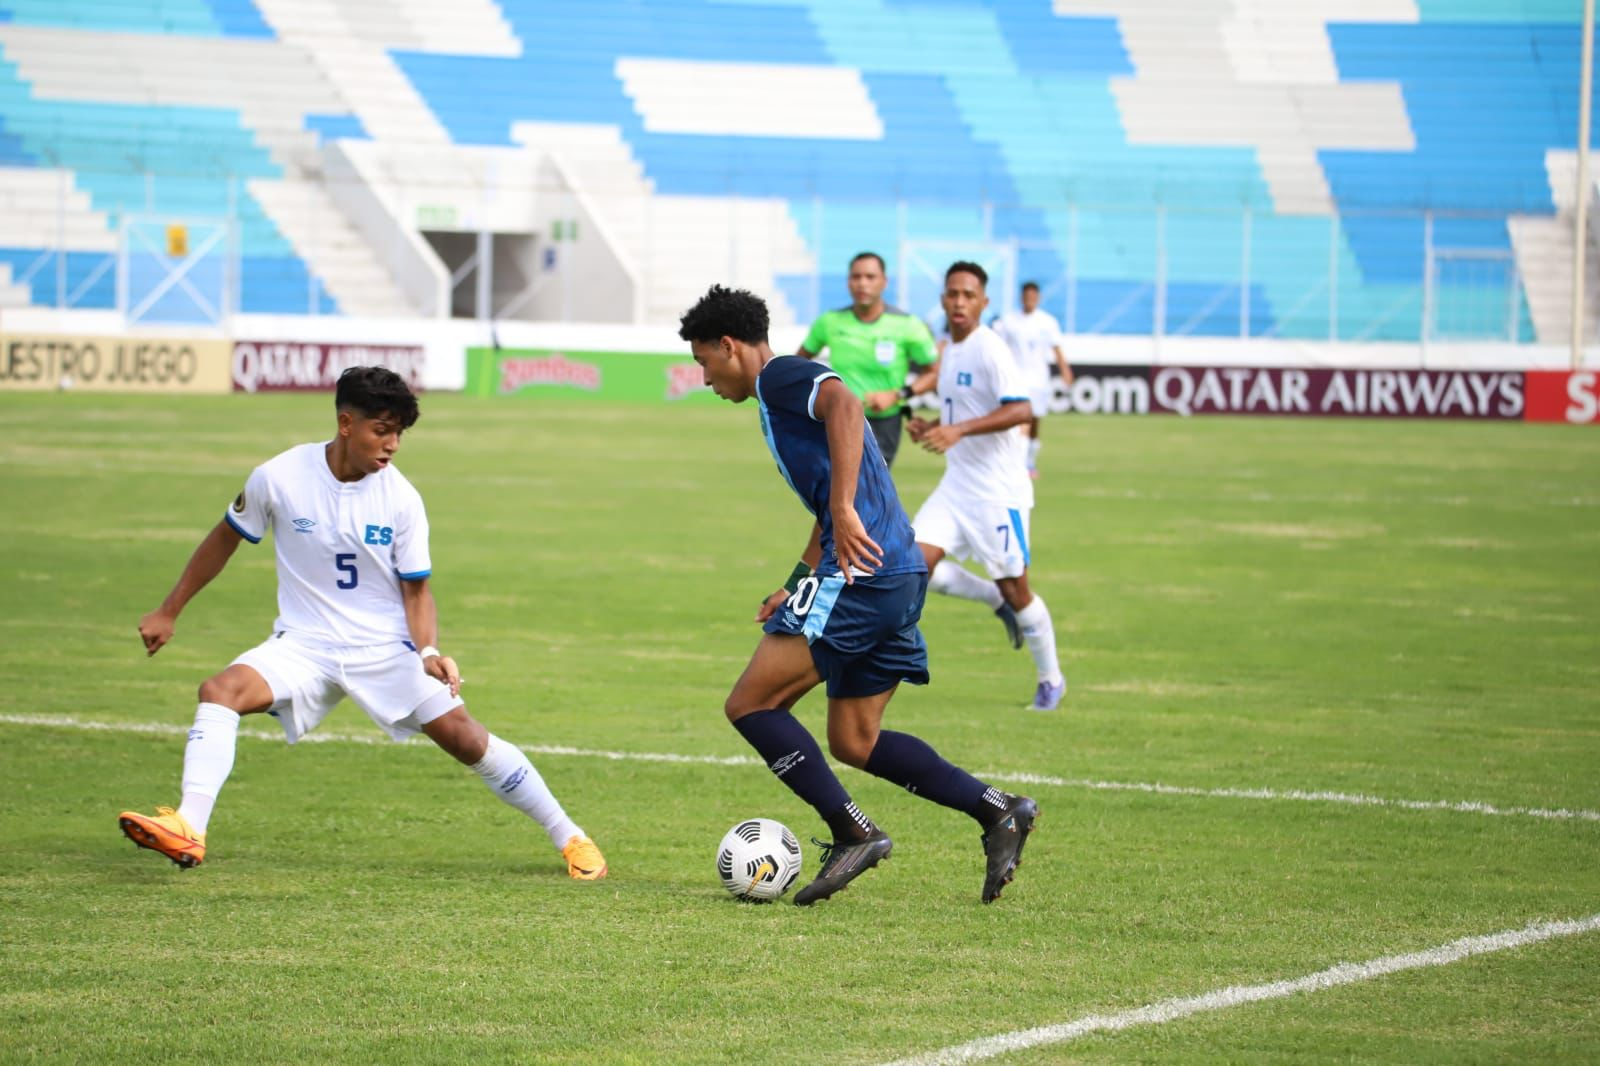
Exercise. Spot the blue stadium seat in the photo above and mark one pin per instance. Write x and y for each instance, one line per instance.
(979, 100)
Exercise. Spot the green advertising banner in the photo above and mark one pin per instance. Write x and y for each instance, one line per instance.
(543, 372)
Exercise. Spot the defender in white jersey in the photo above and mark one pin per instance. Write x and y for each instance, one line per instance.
(980, 508)
(356, 618)
(1035, 339)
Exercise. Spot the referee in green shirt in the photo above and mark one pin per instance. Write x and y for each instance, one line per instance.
(872, 347)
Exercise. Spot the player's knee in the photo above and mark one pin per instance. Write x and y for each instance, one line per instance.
(459, 735)
(852, 750)
(1015, 592)
(222, 690)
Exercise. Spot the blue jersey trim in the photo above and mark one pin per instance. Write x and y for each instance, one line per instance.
(1022, 538)
(816, 387)
(822, 606)
(420, 574)
(772, 444)
(237, 528)
(1014, 399)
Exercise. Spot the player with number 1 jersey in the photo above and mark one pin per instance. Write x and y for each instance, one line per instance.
(980, 509)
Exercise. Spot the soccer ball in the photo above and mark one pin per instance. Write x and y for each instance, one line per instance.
(758, 860)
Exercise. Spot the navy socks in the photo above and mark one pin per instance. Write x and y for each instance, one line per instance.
(912, 764)
(791, 752)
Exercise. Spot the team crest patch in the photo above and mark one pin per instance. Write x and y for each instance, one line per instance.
(238, 504)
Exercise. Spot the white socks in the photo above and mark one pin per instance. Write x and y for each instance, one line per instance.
(1039, 633)
(955, 580)
(507, 771)
(207, 761)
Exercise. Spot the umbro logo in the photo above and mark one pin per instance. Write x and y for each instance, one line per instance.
(303, 525)
(783, 764)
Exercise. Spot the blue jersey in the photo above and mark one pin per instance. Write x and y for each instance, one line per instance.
(787, 392)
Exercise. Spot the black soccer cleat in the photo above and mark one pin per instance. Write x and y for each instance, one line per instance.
(1008, 618)
(843, 863)
(1002, 844)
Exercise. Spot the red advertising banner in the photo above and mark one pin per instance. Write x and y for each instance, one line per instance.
(1477, 394)
(1564, 396)
(295, 366)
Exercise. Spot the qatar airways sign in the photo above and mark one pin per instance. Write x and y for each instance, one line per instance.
(1474, 394)
(298, 366)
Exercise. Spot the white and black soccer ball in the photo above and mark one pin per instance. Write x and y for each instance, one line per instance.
(758, 860)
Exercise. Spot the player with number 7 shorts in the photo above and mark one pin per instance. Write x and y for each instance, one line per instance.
(980, 508)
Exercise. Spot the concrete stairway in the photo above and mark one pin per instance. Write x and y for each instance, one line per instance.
(1544, 249)
(679, 245)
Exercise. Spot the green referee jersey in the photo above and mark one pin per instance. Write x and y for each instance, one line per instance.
(871, 356)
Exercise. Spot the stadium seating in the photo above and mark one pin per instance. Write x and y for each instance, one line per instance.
(1187, 164)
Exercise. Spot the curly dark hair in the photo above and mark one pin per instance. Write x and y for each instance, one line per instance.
(961, 266)
(724, 312)
(374, 391)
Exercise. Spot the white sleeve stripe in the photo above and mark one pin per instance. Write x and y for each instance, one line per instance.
(816, 386)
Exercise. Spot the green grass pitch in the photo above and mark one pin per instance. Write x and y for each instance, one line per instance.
(1400, 611)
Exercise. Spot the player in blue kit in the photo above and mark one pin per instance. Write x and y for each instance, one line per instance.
(848, 614)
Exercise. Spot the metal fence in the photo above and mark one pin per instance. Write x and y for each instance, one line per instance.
(1119, 269)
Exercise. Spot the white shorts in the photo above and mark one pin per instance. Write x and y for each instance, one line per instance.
(1040, 394)
(385, 680)
(990, 533)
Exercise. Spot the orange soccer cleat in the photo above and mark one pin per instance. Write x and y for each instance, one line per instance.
(169, 833)
(584, 861)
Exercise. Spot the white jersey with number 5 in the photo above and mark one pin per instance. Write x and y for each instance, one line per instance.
(343, 546)
(976, 376)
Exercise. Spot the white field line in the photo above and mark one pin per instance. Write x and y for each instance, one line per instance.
(1237, 995)
(1354, 799)
(1350, 799)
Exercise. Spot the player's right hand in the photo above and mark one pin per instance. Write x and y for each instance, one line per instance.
(917, 428)
(855, 550)
(443, 668)
(770, 605)
(155, 629)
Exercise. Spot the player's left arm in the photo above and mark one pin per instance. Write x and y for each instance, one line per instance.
(1063, 365)
(1058, 345)
(842, 416)
(422, 621)
(808, 563)
(413, 564)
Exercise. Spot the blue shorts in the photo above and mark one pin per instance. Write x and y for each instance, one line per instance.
(864, 637)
